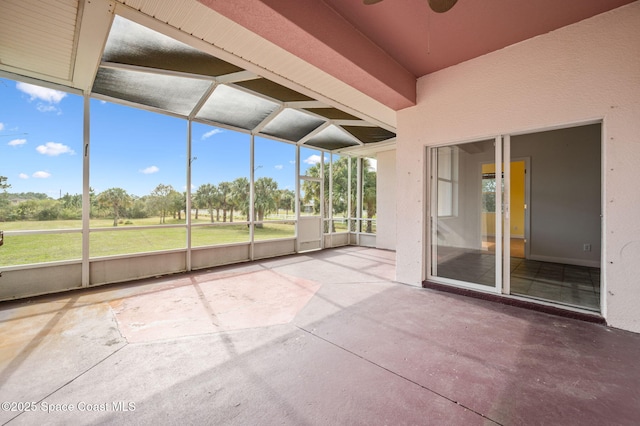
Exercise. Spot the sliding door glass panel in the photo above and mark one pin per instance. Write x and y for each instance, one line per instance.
(463, 218)
(555, 216)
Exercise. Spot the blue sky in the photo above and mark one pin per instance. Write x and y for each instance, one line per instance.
(41, 139)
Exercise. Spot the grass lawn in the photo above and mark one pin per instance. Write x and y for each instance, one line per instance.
(28, 249)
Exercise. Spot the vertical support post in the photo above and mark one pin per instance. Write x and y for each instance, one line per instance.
(330, 215)
(500, 208)
(506, 273)
(297, 197)
(86, 190)
(322, 212)
(358, 199)
(188, 192)
(432, 209)
(252, 194)
(349, 218)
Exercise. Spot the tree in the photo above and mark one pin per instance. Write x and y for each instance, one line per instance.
(47, 209)
(71, 206)
(240, 189)
(4, 197)
(265, 191)
(369, 192)
(287, 200)
(340, 198)
(139, 207)
(3, 184)
(197, 202)
(206, 197)
(178, 203)
(161, 200)
(311, 189)
(27, 210)
(115, 199)
(224, 199)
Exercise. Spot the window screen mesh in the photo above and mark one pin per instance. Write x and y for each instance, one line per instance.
(292, 125)
(236, 108)
(133, 44)
(331, 138)
(178, 95)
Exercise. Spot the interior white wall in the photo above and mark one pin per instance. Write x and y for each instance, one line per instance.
(583, 72)
(565, 193)
(463, 229)
(386, 200)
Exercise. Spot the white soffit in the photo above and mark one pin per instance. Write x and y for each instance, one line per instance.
(261, 56)
(39, 37)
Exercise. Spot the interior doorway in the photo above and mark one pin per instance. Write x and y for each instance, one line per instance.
(517, 207)
(563, 210)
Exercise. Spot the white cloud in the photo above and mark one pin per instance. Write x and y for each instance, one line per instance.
(373, 164)
(279, 167)
(17, 142)
(149, 170)
(1, 126)
(41, 175)
(53, 149)
(48, 108)
(23, 176)
(211, 133)
(312, 159)
(36, 92)
(292, 161)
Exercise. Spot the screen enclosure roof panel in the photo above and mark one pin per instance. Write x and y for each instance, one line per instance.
(143, 67)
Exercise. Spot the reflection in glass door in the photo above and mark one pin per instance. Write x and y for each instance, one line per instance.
(465, 236)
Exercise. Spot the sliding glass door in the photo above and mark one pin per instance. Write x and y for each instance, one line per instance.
(465, 236)
(519, 215)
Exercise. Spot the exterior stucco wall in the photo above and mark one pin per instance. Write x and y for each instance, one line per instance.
(582, 73)
(386, 200)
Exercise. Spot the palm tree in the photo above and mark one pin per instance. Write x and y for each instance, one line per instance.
(224, 198)
(369, 192)
(195, 203)
(240, 194)
(265, 202)
(206, 197)
(116, 199)
(286, 200)
(311, 189)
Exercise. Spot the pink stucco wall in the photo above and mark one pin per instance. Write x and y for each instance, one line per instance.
(584, 72)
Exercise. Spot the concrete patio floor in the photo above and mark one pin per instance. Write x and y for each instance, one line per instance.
(311, 339)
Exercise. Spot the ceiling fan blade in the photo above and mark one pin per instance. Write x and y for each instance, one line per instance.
(368, 2)
(441, 6)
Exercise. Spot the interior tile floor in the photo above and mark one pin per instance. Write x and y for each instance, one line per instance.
(576, 286)
(322, 338)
